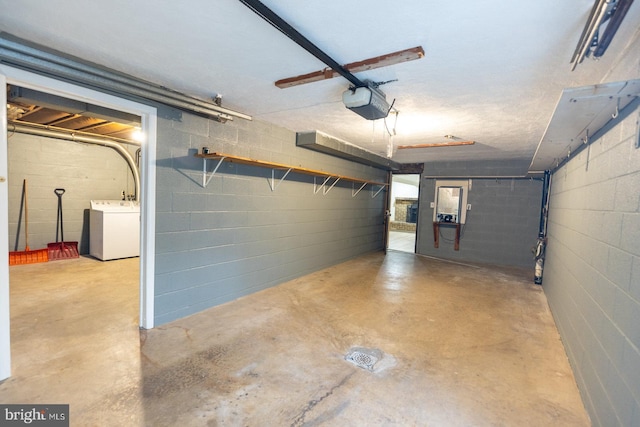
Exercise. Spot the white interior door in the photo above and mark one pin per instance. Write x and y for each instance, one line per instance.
(5, 336)
(10, 75)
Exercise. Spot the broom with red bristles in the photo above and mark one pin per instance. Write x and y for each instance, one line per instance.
(27, 256)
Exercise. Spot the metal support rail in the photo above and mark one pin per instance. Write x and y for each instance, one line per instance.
(325, 186)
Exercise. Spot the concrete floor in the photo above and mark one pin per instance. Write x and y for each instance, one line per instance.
(402, 241)
(458, 345)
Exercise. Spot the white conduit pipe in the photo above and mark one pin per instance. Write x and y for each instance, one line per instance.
(82, 138)
(18, 53)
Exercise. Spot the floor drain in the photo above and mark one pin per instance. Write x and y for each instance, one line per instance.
(363, 358)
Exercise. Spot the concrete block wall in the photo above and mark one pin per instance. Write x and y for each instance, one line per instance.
(502, 225)
(236, 236)
(592, 272)
(85, 171)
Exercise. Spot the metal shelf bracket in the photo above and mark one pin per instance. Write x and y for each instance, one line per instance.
(317, 187)
(373, 195)
(332, 185)
(326, 185)
(323, 186)
(355, 192)
(273, 183)
(205, 179)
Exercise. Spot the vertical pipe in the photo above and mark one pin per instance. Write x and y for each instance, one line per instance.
(542, 230)
(387, 212)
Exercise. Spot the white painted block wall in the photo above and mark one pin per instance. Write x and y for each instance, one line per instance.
(236, 236)
(592, 272)
(502, 226)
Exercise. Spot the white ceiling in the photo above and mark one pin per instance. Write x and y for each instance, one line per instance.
(493, 70)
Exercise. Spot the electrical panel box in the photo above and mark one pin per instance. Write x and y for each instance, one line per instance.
(448, 204)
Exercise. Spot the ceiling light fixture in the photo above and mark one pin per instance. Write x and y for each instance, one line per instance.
(138, 135)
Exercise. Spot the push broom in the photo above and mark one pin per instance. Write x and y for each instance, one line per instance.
(27, 256)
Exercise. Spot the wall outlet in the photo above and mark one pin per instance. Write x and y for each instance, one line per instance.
(432, 205)
(469, 207)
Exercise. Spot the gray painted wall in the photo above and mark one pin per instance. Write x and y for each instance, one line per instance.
(236, 236)
(592, 272)
(85, 171)
(502, 225)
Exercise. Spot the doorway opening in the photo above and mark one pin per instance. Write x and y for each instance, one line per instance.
(403, 210)
(90, 154)
(144, 192)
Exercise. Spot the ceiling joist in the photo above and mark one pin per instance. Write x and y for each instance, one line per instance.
(437, 144)
(355, 67)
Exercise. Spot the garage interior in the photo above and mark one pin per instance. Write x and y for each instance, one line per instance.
(460, 248)
(277, 357)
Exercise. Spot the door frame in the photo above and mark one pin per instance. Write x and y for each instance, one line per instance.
(390, 201)
(148, 114)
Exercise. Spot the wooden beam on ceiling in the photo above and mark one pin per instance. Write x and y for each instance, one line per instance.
(437, 144)
(355, 67)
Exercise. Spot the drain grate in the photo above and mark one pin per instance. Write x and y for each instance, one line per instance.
(362, 359)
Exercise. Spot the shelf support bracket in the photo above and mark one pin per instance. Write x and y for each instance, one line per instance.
(317, 188)
(205, 179)
(272, 183)
(373, 195)
(326, 190)
(355, 192)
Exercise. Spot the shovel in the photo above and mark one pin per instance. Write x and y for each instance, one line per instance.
(61, 249)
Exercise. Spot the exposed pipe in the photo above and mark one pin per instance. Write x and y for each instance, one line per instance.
(17, 53)
(77, 133)
(527, 177)
(82, 138)
(546, 188)
(541, 243)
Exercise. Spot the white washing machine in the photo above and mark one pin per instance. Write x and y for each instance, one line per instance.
(114, 229)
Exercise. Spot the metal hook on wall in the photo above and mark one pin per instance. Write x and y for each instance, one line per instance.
(614, 115)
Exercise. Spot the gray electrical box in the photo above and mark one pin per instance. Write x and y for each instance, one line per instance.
(448, 204)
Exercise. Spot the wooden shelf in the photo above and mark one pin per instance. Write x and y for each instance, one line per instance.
(329, 179)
